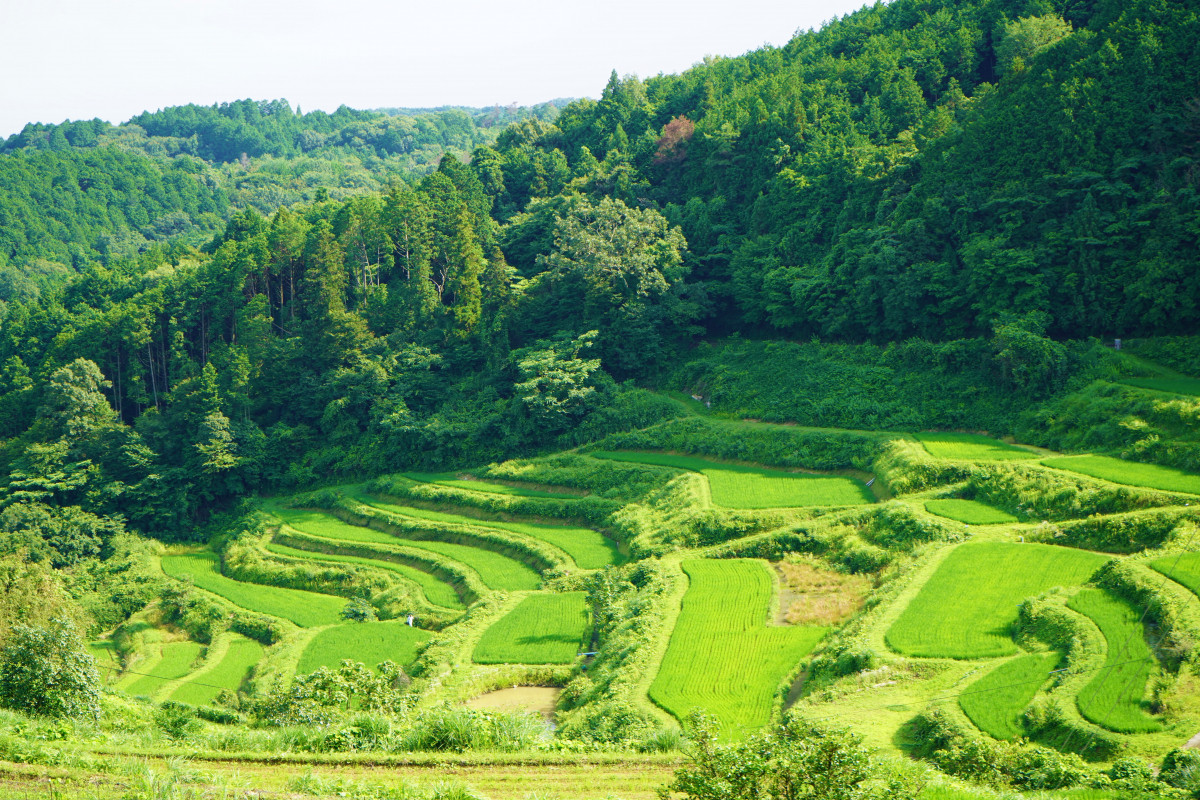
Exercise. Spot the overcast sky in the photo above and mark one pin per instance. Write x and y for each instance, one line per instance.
(112, 59)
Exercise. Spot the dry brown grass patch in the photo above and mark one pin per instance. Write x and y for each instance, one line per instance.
(815, 596)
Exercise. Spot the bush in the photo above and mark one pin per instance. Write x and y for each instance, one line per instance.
(46, 671)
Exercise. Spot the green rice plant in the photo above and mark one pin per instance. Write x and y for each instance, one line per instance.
(497, 571)
(967, 608)
(176, 662)
(1113, 697)
(306, 609)
(452, 479)
(1188, 386)
(970, 447)
(1183, 569)
(372, 643)
(971, 512)
(996, 701)
(739, 486)
(438, 592)
(542, 629)
(1129, 473)
(722, 657)
(106, 653)
(227, 670)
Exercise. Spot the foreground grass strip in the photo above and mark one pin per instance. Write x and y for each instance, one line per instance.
(971, 447)
(967, 608)
(722, 657)
(1183, 569)
(495, 570)
(452, 479)
(372, 643)
(1187, 386)
(995, 701)
(738, 486)
(306, 609)
(971, 512)
(228, 673)
(176, 662)
(1113, 698)
(438, 592)
(1129, 473)
(542, 629)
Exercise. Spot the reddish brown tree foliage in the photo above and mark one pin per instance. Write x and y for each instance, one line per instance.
(672, 145)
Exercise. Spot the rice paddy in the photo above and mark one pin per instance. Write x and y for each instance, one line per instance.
(722, 657)
(1113, 699)
(174, 662)
(968, 606)
(542, 629)
(971, 447)
(740, 486)
(1186, 386)
(306, 609)
(372, 643)
(972, 512)
(1183, 569)
(1129, 473)
(996, 701)
(236, 656)
(475, 485)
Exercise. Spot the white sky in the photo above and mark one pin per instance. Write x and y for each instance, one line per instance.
(79, 59)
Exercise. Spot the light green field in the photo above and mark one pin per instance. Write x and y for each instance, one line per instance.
(372, 643)
(542, 629)
(105, 653)
(971, 512)
(228, 673)
(1113, 698)
(590, 549)
(995, 701)
(967, 608)
(970, 447)
(495, 570)
(1188, 386)
(737, 486)
(436, 591)
(306, 609)
(1129, 473)
(176, 662)
(452, 479)
(722, 657)
(1183, 569)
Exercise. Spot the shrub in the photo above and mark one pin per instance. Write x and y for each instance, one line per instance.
(46, 671)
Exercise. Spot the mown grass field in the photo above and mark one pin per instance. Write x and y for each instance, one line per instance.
(1188, 386)
(995, 701)
(1113, 698)
(542, 629)
(1183, 569)
(1129, 473)
(590, 549)
(306, 609)
(436, 591)
(738, 486)
(722, 657)
(971, 447)
(452, 479)
(228, 673)
(971, 512)
(176, 662)
(967, 607)
(372, 643)
(495, 570)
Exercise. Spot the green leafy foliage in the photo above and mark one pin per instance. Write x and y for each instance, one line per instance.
(47, 671)
(542, 629)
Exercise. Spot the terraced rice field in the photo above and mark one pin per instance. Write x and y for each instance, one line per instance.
(105, 653)
(995, 701)
(306, 609)
(542, 629)
(438, 592)
(738, 486)
(1184, 569)
(971, 512)
(234, 656)
(1188, 386)
(372, 643)
(722, 657)
(971, 447)
(967, 607)
(1129, 473)
(495, 570)
(1113, 698)
(452, 479)
(175, 661)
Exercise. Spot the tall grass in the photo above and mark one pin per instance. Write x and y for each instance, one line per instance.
(542, 629)
(967, 608)
(995, 701)
(369, 642)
